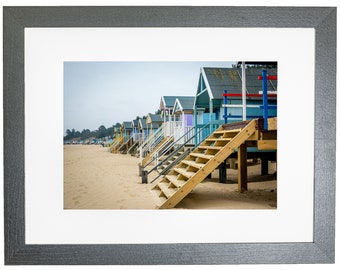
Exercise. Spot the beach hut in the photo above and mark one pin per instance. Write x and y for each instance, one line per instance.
(126, 138)
(166, 107)
(135, 134)
(153, 122)
(142, 128)
(183, 110)
(183, 113)
(126, 130)
(172, 124)
(209, 100)
(116, 131)
(135, 137)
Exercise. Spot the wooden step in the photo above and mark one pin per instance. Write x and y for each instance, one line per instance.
(210, 147)
(193, 164)
(184, 172)
(158, 191)
(218, 140)
(168, 192)
(173, 179)
(221, 132)
(161, 168)
(200, 155)
(159, 195)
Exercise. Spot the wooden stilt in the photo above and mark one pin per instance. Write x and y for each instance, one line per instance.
(264, 166)
(222, 168)
(242, 168)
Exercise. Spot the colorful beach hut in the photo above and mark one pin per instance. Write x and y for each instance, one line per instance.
(183, 110)
(166, 107)
(142, 128)
(126, 130)
(153, 122)
(116, 131)
(213, 82)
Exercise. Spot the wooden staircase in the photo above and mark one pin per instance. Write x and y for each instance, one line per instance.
(171, 160)
(114, 147)
(133, 148)
(191, 171)
(125, 146)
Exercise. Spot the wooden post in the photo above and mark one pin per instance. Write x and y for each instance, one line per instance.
(144, 177)
(211, 114)
(264, 166)
(222, 168)
(232, 163)
(242, 168)
(195, 125)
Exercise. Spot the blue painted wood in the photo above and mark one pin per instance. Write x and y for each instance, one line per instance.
(265, 98)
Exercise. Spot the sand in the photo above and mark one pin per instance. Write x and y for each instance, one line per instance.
(97, 179)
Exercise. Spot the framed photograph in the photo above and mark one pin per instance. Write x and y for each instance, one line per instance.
(50, 57)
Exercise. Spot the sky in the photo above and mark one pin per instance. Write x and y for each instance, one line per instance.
(106, 93)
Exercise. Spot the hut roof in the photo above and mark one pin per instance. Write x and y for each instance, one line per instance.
(167, 102)
(153, 118)
(142, 123)
(134, 123)
(126, 125)
(184, 103)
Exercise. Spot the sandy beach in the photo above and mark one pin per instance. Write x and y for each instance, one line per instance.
(97, 179)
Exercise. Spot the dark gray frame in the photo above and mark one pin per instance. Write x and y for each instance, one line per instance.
(321, 250)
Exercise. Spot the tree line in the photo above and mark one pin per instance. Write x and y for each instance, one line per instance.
(101, 132)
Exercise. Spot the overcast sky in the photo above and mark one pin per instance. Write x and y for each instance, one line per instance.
(105, 93)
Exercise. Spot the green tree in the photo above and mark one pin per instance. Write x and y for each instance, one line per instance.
(101, 131)
(85, 134)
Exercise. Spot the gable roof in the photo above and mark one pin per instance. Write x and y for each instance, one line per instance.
(116, 127)
(134, 123)
(167, 102)
(142, 123)
(153, 118)
(184, 104)
(126, 125)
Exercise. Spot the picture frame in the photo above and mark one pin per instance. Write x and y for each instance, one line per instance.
(321, 250)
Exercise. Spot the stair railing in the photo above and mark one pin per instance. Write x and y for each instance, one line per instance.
(137, 139)
(174, 152)
(174, 163)
(150, 143)
(126, 142)
(162, 151)
(165, 150)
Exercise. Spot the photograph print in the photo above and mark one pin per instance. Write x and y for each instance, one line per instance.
(170, 135)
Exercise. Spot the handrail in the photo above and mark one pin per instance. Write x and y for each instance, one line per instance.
(160, 129)
(176, 150)
(151, 140)
(171, 145)
(165, 170)
(125, 143)
(135, 144)
(152, 159)
(175, 142)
